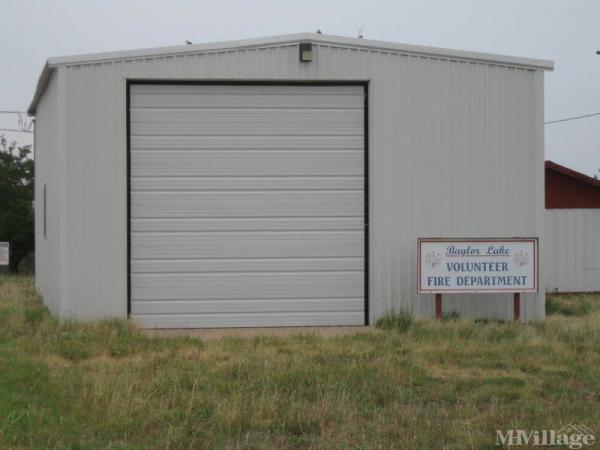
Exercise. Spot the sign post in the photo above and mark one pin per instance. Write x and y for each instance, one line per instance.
(438, 306)
(493, 265)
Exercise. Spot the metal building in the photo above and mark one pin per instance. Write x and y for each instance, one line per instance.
(573, 230)
(278, 181)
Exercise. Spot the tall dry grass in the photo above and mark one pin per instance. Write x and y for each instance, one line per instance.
(418, 384)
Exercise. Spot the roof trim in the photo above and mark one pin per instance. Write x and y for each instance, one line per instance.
(293, 38)
(572, 173)
(43, 80)
(528, 63)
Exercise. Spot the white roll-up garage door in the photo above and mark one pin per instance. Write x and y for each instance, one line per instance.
(247, 205)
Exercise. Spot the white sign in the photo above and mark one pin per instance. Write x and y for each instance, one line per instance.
(4, 246)
(477, 265)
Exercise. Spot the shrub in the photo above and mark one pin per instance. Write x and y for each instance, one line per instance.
(396, 321)
(568, 305)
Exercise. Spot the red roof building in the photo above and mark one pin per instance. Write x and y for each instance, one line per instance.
(569, 189)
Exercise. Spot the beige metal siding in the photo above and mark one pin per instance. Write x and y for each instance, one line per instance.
(49, 171)
(456, 149)
(573, 256)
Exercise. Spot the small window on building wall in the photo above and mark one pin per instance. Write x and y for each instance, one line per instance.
(44, 212)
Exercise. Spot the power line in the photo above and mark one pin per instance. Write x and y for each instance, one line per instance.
(14, 130)
(573, 118)
(23, 124)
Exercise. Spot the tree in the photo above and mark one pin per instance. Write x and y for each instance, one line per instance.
(16, 200)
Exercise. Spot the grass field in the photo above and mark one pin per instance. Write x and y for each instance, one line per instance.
(416, 384)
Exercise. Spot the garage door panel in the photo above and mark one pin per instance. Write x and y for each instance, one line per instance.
(195, 183)
(148, 266)
(279, 305)
(247, 245)
(245, 163)
(236, 90)
(244, 285)
(247, 204)
(242, 143)
(247, 101)
(236, 122)
(248, 224)
(249, 320)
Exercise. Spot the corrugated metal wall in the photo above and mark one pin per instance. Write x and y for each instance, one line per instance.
(456, 149)
(573, 257)
(48, 159)
(566, 190)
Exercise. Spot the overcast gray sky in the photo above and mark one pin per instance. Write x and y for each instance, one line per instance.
(565, 31)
